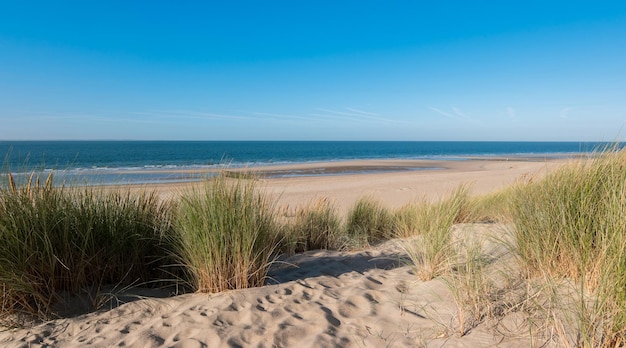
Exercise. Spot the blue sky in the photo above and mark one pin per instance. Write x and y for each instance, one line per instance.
(319, 70)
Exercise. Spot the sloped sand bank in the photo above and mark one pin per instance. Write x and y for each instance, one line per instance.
(368, 298)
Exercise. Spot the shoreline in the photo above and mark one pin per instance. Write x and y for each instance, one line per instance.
(331, 167)
(394, 183)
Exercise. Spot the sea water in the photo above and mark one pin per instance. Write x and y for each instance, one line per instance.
(131, 162)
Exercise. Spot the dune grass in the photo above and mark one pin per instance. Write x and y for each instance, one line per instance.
(369, 222)
(572, 225)
(568, 226)
(432, 251)
(472, 289)
(56, 240)
(493, 207)
(318, 226)
(224, 235)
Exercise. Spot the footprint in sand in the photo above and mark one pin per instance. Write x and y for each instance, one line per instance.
(190, 343)
(354, 307)
(292, 333)
(372, 283)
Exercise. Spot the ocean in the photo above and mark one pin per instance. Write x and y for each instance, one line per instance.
(132, 162)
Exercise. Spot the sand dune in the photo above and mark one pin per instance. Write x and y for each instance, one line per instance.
(368, 298)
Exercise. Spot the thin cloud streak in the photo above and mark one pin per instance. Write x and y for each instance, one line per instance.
(60, 117)
(362, 112)
(459, 113)
(358, 116)
(282, 117)
(443, 113)
(326, 115)
(456, 114)
(333, 117)
(194, 115)
(341, 112)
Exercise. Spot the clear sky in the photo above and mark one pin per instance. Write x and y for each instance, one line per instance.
(313, 70)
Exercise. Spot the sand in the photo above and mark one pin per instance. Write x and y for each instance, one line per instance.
(367, 298)
(398, 188)
(394, 182)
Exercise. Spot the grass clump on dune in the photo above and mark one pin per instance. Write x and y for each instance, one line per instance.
(572, 224)
(316, 227)
(431, 251)
(369, 222)
(493, 207)
(225, 235)
(56, 240)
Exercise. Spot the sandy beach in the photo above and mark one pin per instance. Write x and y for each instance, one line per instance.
(393, 182)
(364, 298)
(396, 187)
